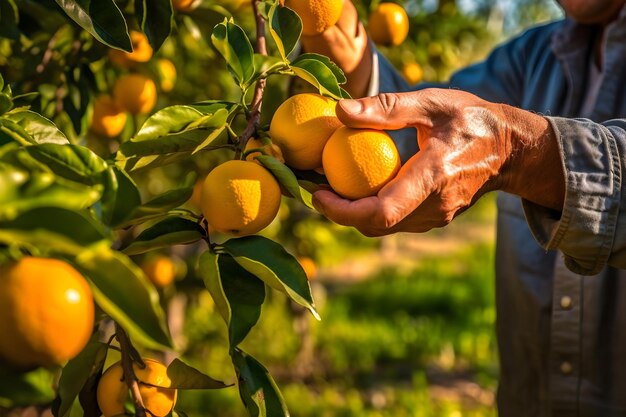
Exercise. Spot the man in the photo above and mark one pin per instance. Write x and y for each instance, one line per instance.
(562, 209)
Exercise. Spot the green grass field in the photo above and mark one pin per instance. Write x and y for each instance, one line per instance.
(397, 342)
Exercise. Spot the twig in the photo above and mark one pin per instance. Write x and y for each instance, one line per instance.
(257, 100)
(129, 373)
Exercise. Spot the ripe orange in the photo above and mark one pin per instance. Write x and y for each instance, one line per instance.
(108, 118)
(167, 74)
(308, 264)
(46, 312)
(161, 270)
(359, 162)
(240, 198)
(267, 148)
(112, 391)
(316, 15)
(388, 25)
(301, 126)
(412, 72)
(135, 93)
(142, 51)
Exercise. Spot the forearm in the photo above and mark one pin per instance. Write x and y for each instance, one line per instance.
(348, 46)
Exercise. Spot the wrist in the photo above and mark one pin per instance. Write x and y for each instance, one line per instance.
(533, 167)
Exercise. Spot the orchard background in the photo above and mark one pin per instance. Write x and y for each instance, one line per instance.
(407, 321)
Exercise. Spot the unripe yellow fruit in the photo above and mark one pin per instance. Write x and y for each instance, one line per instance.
(240, 198)
(301, 126)
(142, 51)
(316, 15)
(167, 74)
(413, 72)
(46, 312)
(388, 25)
(135, 93)
(359, 162)
(112, 391)
(270, 149)
(108, 118)
(161, 270)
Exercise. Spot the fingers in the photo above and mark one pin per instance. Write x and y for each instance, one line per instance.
(388, 111)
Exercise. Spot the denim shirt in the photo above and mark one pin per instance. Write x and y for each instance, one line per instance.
(561, 311)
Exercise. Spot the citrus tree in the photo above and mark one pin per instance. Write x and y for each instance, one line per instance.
(74, 210)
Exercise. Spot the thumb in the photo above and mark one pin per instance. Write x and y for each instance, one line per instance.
(387, 111)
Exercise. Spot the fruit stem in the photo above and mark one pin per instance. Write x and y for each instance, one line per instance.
(257, 100)
(129, 373)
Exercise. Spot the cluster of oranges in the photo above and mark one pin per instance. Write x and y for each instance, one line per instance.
(241, 197)
(133, 92)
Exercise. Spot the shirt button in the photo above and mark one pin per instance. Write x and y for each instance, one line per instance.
(566, 368)
(566, 302)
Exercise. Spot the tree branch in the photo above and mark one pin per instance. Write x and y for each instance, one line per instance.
(128, 352)
(259, 88)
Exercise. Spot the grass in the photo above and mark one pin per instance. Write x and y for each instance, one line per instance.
(417, 343)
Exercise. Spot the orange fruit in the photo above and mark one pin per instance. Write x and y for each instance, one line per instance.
(316, 15)
(301, 126)
(196, 195)
(412, 72)
(112, 391)
(183, 5)
(388, 24)
(46, 312)
(308, 264)
(267, 148)
(240, 198)
(142, 51)
(108, 118)
(161, 270)
(135, 93)
(167, 74)
(359, 162)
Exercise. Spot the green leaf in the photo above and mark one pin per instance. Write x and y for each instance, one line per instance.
(5, 103)
(209, 271)
(233, 44)
(155, 17)
(184, 376)
(171, 231)
(102, 18)
(120, 196)
(238, 295)
(287, 179)
(273, 264)
(13, 131)
(257, 388)
(22, 191)
(285, 28)
(337, 72)
(158, 206)
(245, 294)
(73, 162)
(319, 75)
(25, 388)
(9, 17)
(172, 134)
(77, 371)
(38, 127)
(123, 292)
(76, 226)
(76, 102)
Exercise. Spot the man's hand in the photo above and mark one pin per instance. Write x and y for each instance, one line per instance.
(347, 45)
(468, 146)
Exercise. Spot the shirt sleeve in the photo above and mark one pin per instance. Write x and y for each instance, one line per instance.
(591, 228)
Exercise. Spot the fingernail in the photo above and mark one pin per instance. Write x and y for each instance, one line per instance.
(351, 106)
